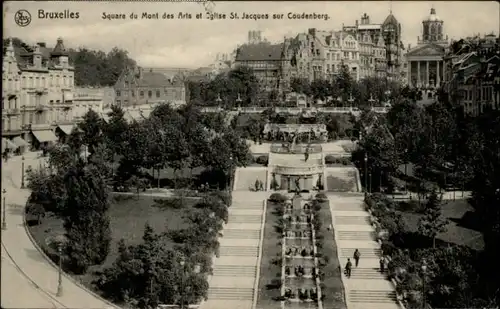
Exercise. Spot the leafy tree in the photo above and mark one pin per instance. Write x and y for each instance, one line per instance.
(35, 211)
(432, 223)
(91, 128)
(46, 189)
(85, 217)
(115, 129)
(301, 85)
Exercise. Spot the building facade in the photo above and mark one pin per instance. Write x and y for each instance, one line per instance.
(267, 62)
(85, 99)
(426, 67)
(40, 98)
(147, 86)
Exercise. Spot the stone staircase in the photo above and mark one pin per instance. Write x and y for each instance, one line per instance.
(365, 252)
(235, 270)
(230, 293)
(356, 235)
(245, 218)
(372, 296)
(352, 220)
(241, 234)
(367, 273)
(239, 251)
(295, 159)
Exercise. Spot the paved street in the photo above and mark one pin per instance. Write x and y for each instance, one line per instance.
(32, 279)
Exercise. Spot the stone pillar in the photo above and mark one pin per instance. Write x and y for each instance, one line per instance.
(444, 71)
(419, 80)
(288, 182)
(427, 73)
(409, 74)
(438, 77)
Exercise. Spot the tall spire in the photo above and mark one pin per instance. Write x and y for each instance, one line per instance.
(390, 7)
(10, 48)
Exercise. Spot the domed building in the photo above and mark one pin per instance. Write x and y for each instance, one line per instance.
(425, 61)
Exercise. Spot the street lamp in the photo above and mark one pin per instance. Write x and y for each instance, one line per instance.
(239, 100)
(4, 223)
(59, 241)
(22, 172)
(183, 264)
(366, 172)
(218, 100)
(424, 269)
(370, 189)
(371, 100)
(351, 99)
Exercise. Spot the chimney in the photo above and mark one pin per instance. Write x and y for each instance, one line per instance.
(357, 23)
(37, 57)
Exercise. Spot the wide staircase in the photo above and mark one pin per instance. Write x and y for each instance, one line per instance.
(295, 160)
(235, 271)
(368, 287)
(341, 179)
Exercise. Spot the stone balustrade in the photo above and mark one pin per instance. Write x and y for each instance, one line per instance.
(296, 170)
(296, 149)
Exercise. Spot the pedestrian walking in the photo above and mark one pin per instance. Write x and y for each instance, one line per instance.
(357, 255)
(348, 268)
(382, 264)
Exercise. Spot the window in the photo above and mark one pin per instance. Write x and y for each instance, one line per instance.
(126, 84)
(141, 94)
(118, 102)
(157, 93)
(132, 93)
(165, 92)
(118, 93)
(150, 94)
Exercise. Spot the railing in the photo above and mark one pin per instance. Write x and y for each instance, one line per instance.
(296, 149)
(301, 128)
(295, 170)
(293, 110)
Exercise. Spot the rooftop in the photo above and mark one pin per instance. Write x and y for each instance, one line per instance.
(259, 52)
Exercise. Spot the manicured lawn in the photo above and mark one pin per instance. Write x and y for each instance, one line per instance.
(269, 273)
(333, 289)
(462, 228)
(128, 215)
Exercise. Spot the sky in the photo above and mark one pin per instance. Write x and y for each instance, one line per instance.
(192, 43)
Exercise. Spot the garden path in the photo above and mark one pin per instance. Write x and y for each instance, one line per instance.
(29, 272)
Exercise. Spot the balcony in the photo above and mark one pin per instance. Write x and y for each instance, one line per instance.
(12, 111)
(41, 90)
(40, 108)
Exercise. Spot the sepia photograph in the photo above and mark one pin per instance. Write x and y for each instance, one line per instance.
(212, 154)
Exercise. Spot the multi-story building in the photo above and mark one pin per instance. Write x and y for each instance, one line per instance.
(472, 74)
(141, 86)
(387, 36)
(85, 99)
(320, 54)
(267, 62)
(40, 98)
(426, 67)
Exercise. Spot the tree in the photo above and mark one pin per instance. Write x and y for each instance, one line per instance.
(432, 223)
(300, 85)
(86, 219)
(91, 128)
(35, 211)
(115, 129)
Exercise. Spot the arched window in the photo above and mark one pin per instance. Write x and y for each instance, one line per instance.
(150, 94)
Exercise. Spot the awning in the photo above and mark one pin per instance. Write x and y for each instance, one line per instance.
(67, 128)
(45, 136)
(7, 144)
(20, 142)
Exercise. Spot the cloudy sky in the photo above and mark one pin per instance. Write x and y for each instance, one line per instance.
(194, 43)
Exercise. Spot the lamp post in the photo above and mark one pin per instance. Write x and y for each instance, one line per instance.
(59, 242)
(218, 100)
(22, 172)
(4, 223)
(366, 172)
(424, 269)
(239, 100)
(351, 99)
(371, 100)
(370, 189)
(183, 264)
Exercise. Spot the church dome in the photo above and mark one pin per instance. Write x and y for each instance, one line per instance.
(433, 16)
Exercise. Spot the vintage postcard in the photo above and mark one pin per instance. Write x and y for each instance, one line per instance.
(250, 154)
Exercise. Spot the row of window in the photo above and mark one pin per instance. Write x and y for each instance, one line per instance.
(484, 93)
(157, 93)
(35, 82)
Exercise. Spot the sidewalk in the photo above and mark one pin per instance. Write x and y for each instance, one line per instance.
(32, 279)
